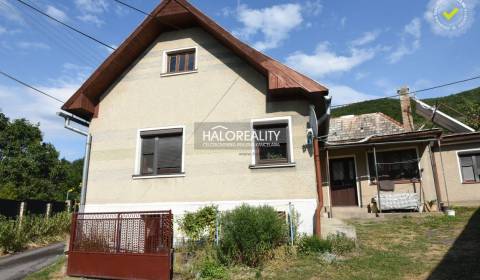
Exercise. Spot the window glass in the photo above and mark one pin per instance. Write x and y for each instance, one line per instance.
(271, 143)
(161, 152)
(470, 167)
(394, 165)
(181, 61)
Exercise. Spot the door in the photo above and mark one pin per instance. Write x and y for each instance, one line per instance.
(343, 182)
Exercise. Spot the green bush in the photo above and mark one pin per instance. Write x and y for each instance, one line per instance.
(341, 244)
(249, 234)
(311, 244)
(199, 224)
(15, 236)
(212, 269)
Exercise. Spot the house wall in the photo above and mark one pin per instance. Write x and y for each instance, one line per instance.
(458, 193)
(225, 88)
(366, 190)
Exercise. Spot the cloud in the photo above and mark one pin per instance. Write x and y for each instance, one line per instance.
(438, 29)
(25, 103)
(9, 12)
(56, 13)
(2, 29)
(33, 45)
(91, 11)
(313, 7)
(270, 22)
(89, 18)
(324, 61)
(343, 22)
(92, 6)
(409, 41)
(366, 38)
(342, 94)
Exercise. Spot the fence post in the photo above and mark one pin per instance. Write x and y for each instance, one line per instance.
(69, 205)
(290, 219)
(22, 211)
(73, 232)
(49, 210)
(216, 229)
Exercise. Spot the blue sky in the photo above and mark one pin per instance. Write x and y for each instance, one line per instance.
(360, 49)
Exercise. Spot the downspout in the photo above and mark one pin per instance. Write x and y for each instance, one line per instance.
(86, 160)
(318, 176)
(435, 175)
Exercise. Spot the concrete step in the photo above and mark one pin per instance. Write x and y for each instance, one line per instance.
(333, 226)
(351, 212)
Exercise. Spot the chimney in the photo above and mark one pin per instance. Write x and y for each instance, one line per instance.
(406, 109)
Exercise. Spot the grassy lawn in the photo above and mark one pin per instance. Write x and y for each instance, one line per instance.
(54, 271)
(400, 248)
(421, 247)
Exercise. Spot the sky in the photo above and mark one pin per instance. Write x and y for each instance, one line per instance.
(359, 49)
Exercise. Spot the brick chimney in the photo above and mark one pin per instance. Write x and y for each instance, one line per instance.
(407, 118)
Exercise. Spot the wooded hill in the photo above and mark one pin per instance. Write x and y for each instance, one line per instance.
(464, 106)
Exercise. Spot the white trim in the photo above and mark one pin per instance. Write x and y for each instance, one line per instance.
(165, 56)
(357, 181)
(178, 73)
(138, 151)
(395, 149)
(275, 120)
(293, 164)
(158, 176)
(459, 165)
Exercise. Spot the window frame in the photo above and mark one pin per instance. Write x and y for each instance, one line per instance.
(138, 154)
(460, 175)
(399, 181)
(165, 59)
(272, 121)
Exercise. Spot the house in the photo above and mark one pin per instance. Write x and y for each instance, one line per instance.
(420, 168)
(180, 75)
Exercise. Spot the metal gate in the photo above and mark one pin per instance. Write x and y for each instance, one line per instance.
(129, 245)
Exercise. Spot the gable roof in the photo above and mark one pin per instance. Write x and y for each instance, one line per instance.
(358, 127)
(173, 15)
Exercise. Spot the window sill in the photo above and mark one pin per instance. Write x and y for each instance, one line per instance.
(400, 181)
(178, 73)
(278, 165)
(138, 177)
(470, 183)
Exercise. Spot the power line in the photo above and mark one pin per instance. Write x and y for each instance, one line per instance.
(133, 7)
(66, 25)
(412, 92)
(448, 84)
(31, 87)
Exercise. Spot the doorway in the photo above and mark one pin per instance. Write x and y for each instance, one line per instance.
(343, 182)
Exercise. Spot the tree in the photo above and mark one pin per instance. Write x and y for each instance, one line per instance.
(31, 168)
(472, 115)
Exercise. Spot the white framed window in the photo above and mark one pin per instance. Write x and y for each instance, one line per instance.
(469, 166)
(273, 145)
(160, 152)
(180, 61)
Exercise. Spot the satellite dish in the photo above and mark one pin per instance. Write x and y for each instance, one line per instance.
(313, 121)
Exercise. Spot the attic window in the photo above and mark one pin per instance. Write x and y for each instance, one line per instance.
(180, 61)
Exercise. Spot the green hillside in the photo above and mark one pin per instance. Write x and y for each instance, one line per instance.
(454, 105)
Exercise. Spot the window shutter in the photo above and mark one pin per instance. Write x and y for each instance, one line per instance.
(169, 153)
(466, 164)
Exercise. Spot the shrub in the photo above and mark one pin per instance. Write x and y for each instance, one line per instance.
(212, 269)
(200, 224)
(313, 245)
(249, 234)
(341, 244)
(12, 239)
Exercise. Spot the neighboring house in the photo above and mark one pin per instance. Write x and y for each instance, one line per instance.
(439, 168)
(458, 162)
(177, 70)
